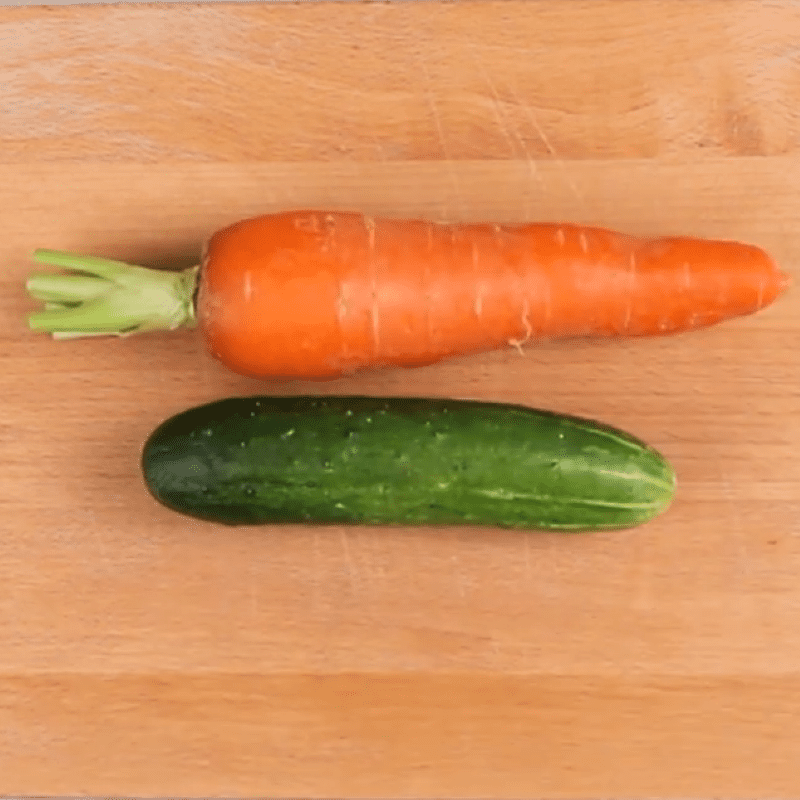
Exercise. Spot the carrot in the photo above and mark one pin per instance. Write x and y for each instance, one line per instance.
(310, 294)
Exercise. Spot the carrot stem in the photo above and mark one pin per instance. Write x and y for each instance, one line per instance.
(101, 297)
(65, 289)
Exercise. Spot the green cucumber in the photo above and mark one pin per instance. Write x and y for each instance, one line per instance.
(402, 461)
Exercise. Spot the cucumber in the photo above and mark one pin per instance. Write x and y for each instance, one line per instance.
(402, 461)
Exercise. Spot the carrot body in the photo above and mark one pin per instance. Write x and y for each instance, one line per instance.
(316, 295)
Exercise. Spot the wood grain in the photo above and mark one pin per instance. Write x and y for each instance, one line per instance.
(197, 732)
(144, 654)
(393, 81)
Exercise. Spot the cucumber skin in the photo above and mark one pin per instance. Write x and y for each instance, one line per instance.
(402, 461)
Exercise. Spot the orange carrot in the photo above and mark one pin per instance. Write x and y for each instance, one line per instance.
(310, 294)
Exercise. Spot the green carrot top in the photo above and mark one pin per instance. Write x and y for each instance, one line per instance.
(102, 297)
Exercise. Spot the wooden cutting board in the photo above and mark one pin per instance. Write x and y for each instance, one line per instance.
(144, 654)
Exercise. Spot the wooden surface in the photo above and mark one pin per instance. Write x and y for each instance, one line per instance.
(141, 653)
